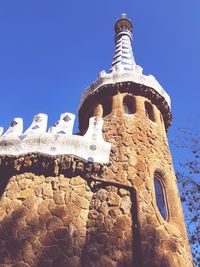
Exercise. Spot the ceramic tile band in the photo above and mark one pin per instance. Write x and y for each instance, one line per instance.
(58, 140)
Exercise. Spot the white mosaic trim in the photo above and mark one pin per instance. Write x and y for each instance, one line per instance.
(58, 140)
(1, 131)
(118, 75)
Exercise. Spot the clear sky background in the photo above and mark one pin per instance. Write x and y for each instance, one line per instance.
(51, 50)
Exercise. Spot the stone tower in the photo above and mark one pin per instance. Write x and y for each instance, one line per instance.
(107, 197)
(136, 113)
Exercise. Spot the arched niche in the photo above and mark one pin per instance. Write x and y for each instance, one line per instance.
(149, 111)
(129, 104)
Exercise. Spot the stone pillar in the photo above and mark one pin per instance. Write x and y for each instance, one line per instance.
(117, 104)
(162, 123)
(98, 111)
(156, 115)
(139, 104)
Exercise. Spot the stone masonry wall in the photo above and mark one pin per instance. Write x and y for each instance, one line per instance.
(63, 211)
(60, 221)
(140, 149)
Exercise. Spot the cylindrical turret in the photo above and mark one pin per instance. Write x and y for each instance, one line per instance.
(136, 113)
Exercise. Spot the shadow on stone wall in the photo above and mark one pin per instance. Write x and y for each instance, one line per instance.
(22, 244)
(26, 240)
(5, 174)
(31, 244)
(19, 248)
(112, 235)
(112, 229)
(159, 248)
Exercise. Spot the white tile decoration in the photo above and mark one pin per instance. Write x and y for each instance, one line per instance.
(123, 49)
(64, 125)
(58, 140)
(1, 131)
(38, 126)
(119, 75)
(15, 128)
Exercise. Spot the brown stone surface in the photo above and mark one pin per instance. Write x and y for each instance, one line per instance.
(63, 211)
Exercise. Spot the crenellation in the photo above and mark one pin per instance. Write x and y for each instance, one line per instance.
(58, 139)
(64, 125)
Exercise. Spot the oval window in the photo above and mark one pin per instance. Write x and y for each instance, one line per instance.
(160, 197)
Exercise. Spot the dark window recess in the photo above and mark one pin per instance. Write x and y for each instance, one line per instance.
(149, 111)
(107, 106)
(160, 198)
(129, 105)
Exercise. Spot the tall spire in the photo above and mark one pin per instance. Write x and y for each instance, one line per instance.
(123, 57)
(125, 72)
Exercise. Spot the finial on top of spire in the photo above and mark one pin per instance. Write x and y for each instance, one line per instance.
(123, 24)
(124, 15)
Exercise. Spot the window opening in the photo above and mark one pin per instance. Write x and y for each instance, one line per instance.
(149, 111)
(129, 105)
(160, 197)
(107, 106)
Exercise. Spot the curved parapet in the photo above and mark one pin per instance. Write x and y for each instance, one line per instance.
(58, 140)
(141, 84)
(118, 75)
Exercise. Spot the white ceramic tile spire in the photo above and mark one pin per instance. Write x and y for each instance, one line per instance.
(123, 56)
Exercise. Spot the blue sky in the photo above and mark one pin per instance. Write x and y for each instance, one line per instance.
(50, 51)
